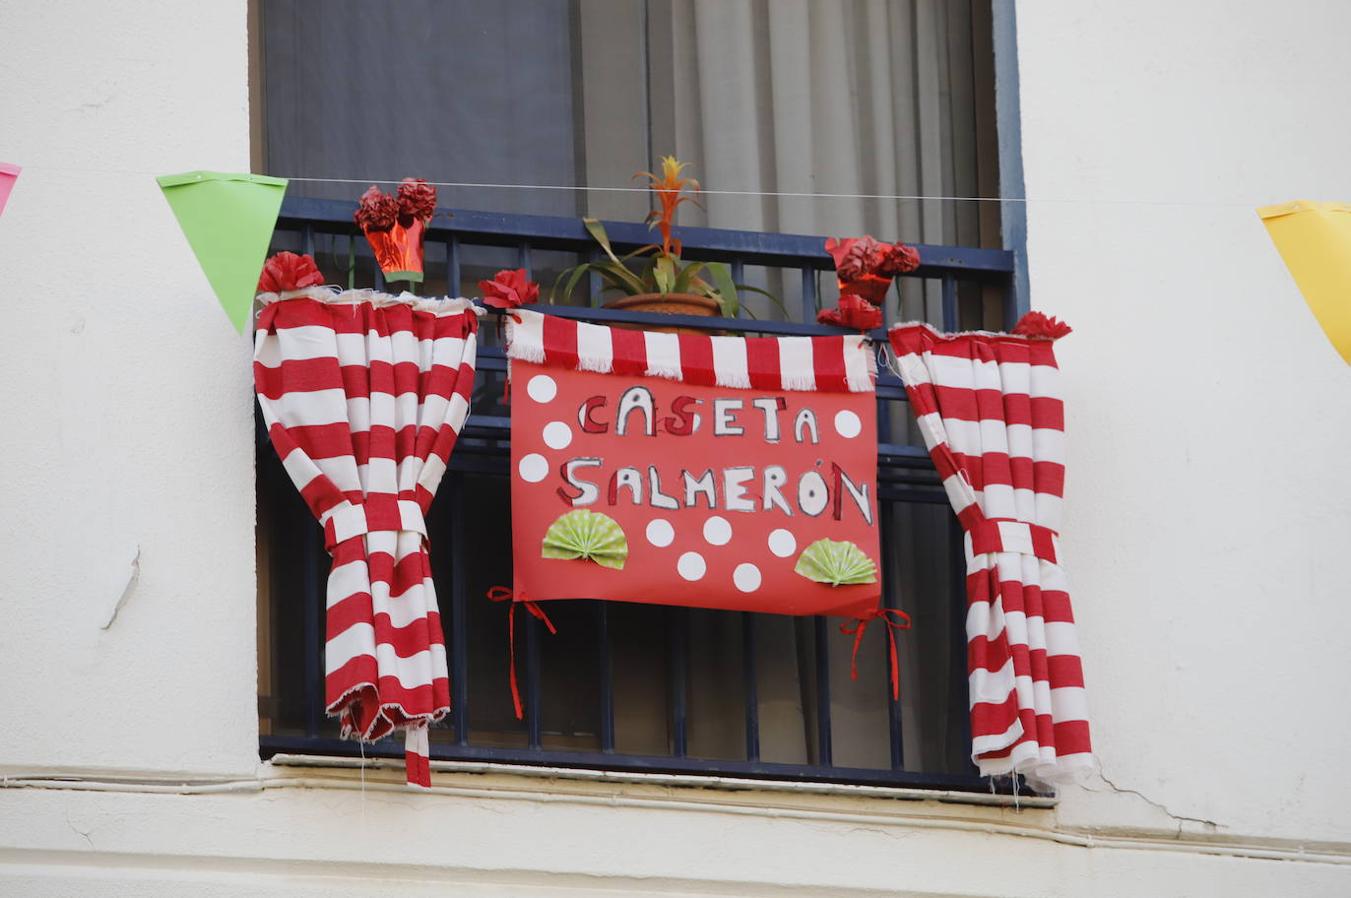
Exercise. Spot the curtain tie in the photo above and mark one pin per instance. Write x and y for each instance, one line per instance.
(992, 535)
(505, 594)
(894, 619)
(374, 514)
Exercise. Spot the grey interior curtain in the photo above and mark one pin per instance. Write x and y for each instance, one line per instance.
(878, 97)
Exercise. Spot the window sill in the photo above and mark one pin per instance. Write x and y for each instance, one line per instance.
(512, 779)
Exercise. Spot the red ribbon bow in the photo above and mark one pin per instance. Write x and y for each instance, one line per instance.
(504, 594)
(895, 619)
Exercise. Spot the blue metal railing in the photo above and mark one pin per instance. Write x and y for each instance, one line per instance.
(905, 475)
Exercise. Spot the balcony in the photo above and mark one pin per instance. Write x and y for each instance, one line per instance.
(953, 285)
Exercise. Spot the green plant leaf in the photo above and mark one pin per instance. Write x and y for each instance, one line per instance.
(688, 276)
(597, 231)
(770, 296)
(663, 272)
(640, 251)
(727, 292)
(619, 276)
(573, 274)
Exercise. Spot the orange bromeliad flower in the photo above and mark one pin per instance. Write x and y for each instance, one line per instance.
(669, 189)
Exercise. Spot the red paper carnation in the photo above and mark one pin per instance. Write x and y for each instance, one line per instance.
(899, 259)
(852, 312)
(377, 210)
(287, 271)
(417, 199)
(508, 289)
(1040, 326)
(855, 256)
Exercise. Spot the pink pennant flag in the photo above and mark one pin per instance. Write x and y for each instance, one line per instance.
(9, 173)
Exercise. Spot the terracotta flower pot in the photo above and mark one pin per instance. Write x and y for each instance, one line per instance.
(667, 304)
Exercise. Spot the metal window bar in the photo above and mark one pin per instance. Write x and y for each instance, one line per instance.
(905, 474)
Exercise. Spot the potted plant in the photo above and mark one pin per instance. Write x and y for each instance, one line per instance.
(653, 278)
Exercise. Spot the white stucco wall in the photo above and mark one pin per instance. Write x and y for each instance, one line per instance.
(1209, 484)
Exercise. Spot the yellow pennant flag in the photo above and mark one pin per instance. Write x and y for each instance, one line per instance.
(1314, 239)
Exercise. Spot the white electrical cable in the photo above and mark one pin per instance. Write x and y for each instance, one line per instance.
(790, 194)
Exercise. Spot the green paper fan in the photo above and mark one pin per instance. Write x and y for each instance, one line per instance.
(586, 534)
(836, 563)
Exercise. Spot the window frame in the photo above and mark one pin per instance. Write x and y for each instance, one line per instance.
(905, 474)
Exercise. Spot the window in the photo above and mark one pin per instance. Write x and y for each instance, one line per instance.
(876, 99)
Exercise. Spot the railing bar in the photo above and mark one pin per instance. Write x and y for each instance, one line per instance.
(752, 692)
(678, 623)
(738, 269)
(307, 240)
(884, 434)
(949, 303)
(351, 261)
(459, 612)
(762, 326)
(453, 266)
(532, 682)
(389, 748)
(890, 599)
(958, 682)
(523, 257)
(824, 754)
(808, 296)
(569, 234)
(607, 692)
(594, 292)
(313, 560)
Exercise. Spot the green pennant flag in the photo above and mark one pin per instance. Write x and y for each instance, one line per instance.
(228, 220)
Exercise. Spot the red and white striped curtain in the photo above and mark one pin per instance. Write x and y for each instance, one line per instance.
(990, 409)
(363, 395)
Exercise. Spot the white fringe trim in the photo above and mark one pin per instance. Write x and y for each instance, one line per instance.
(949, 335)
(439, 306)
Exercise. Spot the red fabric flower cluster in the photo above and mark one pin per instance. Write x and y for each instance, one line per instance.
(287, 271)
(859, 257)
(901, 258)
(377, 210)
(852, 312)
(508, 289)
(1040, 326)
(855, 256)
(864, 267)
(417, 199)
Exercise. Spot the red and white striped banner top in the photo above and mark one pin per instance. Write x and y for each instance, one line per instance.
(990, 409)
(364, 395)
(833, 364)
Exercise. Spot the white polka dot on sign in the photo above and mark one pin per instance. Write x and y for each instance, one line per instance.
(533, 468)
(847, 424)
(782, 543)
(717, 531)
(660, 533)
(542, 388)
(746, 577)
(557, 435)
(691, 566)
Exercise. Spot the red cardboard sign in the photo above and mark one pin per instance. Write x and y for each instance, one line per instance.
(718, 492)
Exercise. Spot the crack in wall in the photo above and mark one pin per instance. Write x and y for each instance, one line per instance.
(1180, 818)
